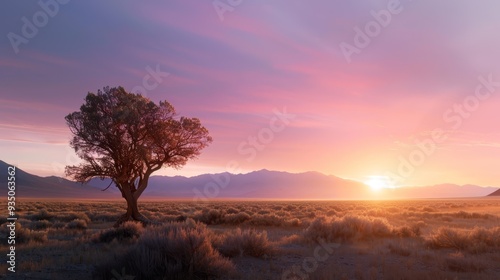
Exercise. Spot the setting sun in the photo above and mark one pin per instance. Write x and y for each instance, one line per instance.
(376, 183)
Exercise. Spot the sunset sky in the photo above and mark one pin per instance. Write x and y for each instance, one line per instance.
(434, 65)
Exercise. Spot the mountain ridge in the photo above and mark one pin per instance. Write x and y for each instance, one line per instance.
(260, 184)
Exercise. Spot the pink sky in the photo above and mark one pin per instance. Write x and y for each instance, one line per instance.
(352, 120)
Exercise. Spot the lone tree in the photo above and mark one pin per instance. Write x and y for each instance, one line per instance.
(126, 137)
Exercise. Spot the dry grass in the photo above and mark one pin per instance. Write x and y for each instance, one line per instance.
(246, 242)
(77, 224)
(24, 235)
(128, 231)
(173, 251)
(460, 263)
(477, 240)
(350, 228)
(445, 239)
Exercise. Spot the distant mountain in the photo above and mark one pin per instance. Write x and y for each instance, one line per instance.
(32, 186)
(265, 184)
(495, 193)
(262, 184)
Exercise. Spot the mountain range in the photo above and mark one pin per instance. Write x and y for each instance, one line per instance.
(262, 184)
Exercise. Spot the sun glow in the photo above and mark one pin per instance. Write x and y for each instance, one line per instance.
(377, 183)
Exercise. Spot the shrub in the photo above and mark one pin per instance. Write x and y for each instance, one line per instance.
(457, 262)
(181, 218)
(24, 235)
(232, 210)
(170, 212)
(71, 216)
(447, 219)
(173, 251)
(378, 227)
(477, 240)
(449, 238)
(376, 212)
(42, 215)
(57, 225)
(235, 219)
(317, 230)
(127, 231)
(42, 224)
(348, 228)
(404, 231)
(248, 242)
(311, 215)
(331, 213)
(399, 249)
(282, 213)
(294, 222)
(428, 209)
(77, 224)
(416, 228)
(105, 216)
(209, 217)
(473, 215)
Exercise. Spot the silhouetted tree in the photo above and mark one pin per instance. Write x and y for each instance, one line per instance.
(126, 137)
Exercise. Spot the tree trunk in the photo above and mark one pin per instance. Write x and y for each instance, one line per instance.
(132, 213)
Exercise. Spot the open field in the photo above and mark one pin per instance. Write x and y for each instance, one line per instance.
(418, 239)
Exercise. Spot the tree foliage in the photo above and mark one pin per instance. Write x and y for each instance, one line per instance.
(127, 137)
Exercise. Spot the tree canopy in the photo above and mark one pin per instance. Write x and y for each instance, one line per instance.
(127, 137)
